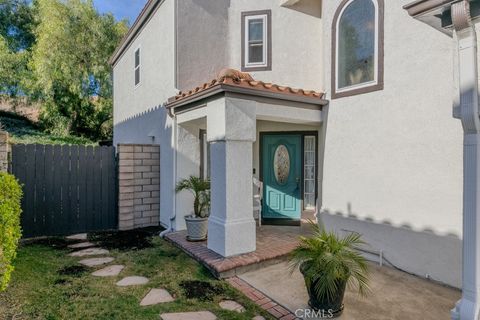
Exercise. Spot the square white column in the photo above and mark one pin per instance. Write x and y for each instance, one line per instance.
(231, 131)
(231, 227)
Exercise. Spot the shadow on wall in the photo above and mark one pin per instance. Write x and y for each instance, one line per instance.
(152, 127)
(423, 253)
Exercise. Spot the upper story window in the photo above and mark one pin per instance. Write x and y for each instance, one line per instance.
(256, 41)
(357, 48)
(137, 67)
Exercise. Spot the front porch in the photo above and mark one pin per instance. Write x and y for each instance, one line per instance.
(273, 244)
(236, 131)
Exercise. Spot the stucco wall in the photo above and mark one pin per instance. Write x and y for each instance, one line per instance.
(395, 156)
(201, 41)
(296, 43)
(138, 115)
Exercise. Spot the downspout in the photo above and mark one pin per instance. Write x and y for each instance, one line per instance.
(173, 215)
(468, 308)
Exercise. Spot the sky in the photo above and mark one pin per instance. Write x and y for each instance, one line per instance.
(121, 9)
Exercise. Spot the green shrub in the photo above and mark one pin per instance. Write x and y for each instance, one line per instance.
(10, 232)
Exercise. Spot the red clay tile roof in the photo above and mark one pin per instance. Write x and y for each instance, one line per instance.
(235, 78)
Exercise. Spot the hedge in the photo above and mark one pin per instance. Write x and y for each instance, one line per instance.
(10, 231)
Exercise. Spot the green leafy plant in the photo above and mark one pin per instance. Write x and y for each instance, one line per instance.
(327, 261)
(10, 231)
(201, 193)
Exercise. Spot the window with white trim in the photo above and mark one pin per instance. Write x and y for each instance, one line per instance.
(256, 47)
(358, 53)
(137, 67)
(204, 156)
(309, 166)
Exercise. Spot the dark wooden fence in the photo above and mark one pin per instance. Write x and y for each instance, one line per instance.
(67, 189)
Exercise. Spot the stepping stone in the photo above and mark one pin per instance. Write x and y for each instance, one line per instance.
(81, 245)
(258, 318)
(132, 281)
(110, 271)
(156, 296)
(89, 252)
(200, 315)
(232, 306)
(80, 236)
(93, 262)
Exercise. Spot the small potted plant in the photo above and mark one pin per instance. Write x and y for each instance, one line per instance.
(328, 264)
(197, 222)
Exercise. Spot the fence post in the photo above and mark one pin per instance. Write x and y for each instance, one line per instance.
(4, 151)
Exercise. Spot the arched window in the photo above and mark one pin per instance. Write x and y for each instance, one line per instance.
(357, 48)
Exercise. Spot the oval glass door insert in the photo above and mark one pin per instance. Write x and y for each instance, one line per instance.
(281, 164)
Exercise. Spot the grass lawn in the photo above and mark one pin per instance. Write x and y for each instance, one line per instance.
(44, 287)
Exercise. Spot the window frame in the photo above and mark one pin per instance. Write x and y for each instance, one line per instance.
(314, 165)
(371, 86)
(135, 67)
(266, 16)
(204, 155)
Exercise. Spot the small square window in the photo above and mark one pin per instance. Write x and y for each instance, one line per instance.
(256, 41)
(137, 67)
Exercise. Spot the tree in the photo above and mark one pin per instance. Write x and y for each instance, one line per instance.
(69, 62)
(16, 38)
(12, 69)
(17, 24)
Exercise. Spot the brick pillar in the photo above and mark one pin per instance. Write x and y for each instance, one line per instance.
(139, 186)
(4, 150)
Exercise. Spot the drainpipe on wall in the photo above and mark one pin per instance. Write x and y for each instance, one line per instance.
(468, 307)
(174, 203)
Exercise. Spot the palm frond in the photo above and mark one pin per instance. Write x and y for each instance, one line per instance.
(327, 260)
(200, 189)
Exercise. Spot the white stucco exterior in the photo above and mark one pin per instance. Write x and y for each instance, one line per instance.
(390, 161)
(297, 44)
(394, 157)
(138, 113)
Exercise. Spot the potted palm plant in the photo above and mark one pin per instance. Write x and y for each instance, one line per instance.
(328, 264)
(197, 222)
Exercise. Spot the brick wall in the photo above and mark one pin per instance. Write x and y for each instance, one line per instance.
(139, 186)
(4, 150)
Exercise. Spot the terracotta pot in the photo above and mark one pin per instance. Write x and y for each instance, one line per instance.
(197, 228)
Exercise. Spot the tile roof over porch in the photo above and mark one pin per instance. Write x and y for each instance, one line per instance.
(236, 81)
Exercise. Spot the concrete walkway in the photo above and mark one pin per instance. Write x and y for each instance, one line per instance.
(395, 295)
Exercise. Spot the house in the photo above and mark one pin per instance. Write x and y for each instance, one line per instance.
(342, 108)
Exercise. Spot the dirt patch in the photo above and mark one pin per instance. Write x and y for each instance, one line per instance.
(125, 240)
(74, 271)
(201, 290)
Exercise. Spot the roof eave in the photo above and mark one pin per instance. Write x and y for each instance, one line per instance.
(137, 26)
(421, 7)
(219, 88)
(437, 13)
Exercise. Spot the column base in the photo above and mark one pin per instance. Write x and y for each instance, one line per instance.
(230, 238)
(465, 310)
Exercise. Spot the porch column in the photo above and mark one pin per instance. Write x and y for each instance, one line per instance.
(468, 307)
(231, 127)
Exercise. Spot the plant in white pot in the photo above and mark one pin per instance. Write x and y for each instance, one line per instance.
(197, 222)
(328, 264)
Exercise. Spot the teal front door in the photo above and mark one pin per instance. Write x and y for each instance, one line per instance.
(282, 174)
